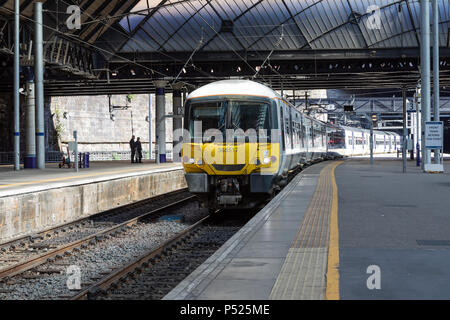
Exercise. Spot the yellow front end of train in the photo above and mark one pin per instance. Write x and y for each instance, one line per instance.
(231, 149)
(230, 174)
(231, 158)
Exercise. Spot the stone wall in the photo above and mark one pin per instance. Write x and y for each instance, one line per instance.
(91, 117)
(33, 212)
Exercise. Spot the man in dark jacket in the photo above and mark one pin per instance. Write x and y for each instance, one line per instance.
(133, 148)
(139, 150)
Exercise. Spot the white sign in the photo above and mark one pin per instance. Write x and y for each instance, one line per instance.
(72, 145)
(434, 134)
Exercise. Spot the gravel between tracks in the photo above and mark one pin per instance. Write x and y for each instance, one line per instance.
(48, 281)
(25, 249)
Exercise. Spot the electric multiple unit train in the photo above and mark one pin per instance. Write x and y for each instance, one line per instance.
(245, 139)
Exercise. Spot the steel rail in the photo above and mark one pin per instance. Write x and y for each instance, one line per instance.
(45, 232)
(41, 259)
(109, 280)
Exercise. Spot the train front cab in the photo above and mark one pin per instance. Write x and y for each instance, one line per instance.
(228, 174)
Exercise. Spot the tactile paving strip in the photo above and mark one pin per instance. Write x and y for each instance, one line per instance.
(303, 273)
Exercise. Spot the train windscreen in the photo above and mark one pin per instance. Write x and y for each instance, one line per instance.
(208, 115)
(244, 117)
(249, 115)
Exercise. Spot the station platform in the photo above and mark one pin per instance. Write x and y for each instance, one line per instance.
(339, 230)
(33, 200)
(32, 180)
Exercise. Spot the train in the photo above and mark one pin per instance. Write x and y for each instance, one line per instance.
(349, 141)
(243, 140)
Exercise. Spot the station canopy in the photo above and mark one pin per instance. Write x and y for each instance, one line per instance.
(258, 25)
(284, 43)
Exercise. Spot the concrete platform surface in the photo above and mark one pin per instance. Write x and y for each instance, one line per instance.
(35, 200)
(33, 180)
(399, 223)
(392, 239)
(253, 264)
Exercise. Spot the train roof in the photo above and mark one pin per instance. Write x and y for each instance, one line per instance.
(390, 133)
(234, 87)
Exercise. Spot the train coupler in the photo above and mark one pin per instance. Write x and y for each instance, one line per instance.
(229, 199)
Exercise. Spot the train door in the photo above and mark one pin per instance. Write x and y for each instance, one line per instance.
(390, 143)
(287, 134)
(304, 147)
(282, 127)
(291, 125)
(308, 143)
(287, 127)
(353, 141)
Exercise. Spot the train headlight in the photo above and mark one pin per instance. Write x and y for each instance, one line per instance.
(186, 159)
(273, 159)
(266, 160)
(200, 162)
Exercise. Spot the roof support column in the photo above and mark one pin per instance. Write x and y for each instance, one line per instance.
(436, 98)
(425, 70)
(160, 121)
(177, 120)
(39, 94)
(16, 87)
(30, 122)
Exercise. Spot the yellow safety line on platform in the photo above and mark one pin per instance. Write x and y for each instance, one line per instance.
(68, 178)
(332, 290)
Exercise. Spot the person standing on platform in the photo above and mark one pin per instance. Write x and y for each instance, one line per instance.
(139, 150)
(133, 149)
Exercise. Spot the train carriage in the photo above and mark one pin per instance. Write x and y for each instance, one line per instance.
(242, 139)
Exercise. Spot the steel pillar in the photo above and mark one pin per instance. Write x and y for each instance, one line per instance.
(405, 131)
(30, 122)
(437, 152)
(150, 126)
(16, 86)
(177, 119)
(160, 121)
(425, 71)
(418, 126)
(39, 93)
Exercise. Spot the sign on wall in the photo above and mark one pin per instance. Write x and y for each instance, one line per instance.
(434, 134)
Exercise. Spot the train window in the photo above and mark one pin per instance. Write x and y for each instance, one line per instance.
(249, 115)
(302, 133)
(209, 115)
(336, 139)
(358, 140)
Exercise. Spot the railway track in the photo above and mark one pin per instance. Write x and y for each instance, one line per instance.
(150, 276)
(154, 274)
(115, 215)
(27, 254)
